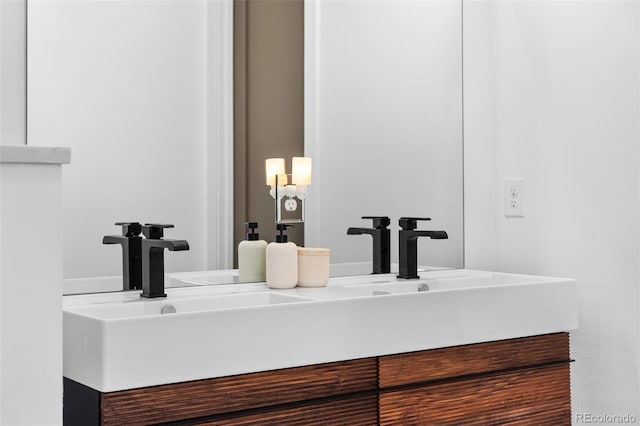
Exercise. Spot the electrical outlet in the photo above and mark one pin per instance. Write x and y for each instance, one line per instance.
(513, 197)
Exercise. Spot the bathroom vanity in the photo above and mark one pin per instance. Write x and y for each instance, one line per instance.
(453, 347)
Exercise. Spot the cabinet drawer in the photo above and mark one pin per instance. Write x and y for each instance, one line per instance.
(204, 398)
(532, 396)
(437, 364)
(361, 411)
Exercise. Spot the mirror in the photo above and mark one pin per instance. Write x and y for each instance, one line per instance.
(141, 93)
(383, 122)
(130, 86)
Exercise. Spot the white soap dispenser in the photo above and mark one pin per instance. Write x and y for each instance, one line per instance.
(251, 256)
(282, 261)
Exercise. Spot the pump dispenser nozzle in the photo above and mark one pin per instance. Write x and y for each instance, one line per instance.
(282, 237)
(252, 235)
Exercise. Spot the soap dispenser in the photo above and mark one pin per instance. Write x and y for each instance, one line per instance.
(251, 256)
(282, 261)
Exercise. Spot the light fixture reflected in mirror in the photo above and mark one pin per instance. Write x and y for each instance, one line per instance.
(287, 195)
(301, 176)
(274, 167)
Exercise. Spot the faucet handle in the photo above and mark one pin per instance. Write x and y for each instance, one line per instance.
(379, 222)
(155, 231)
(130, 229)
(410, 223)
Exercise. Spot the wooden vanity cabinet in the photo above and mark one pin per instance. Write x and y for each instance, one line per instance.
(312, 395)
(515, 381)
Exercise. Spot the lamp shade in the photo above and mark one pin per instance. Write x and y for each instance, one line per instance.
(273, 167)
(301, 170)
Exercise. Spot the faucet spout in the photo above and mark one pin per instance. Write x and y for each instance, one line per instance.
(434, 235)
(114, 239)
(381, 242)
(408, 245)
(130, 240)
(360, 231)
(171, 245)
(153, 259)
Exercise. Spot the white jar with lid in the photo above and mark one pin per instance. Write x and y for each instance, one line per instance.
(313, 266)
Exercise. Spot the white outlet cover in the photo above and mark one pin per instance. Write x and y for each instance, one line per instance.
(513, 197)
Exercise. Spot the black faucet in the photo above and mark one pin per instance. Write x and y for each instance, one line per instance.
(381, 242)
(408, 245)
(153, 258)
(131, 242)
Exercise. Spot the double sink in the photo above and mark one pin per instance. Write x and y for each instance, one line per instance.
(119, 341)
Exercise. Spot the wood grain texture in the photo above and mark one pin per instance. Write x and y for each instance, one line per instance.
(436, 364)
(530, 391)
(360, 411)
(228, 394)
(539, 396)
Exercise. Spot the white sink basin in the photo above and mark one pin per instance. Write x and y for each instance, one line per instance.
(379, 289)
(386, 284)
(203, 278)
(118, 341)
(148, 307)
(114, 283)
(454, 281)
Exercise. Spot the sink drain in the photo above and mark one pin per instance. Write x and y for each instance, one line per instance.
(168, 309)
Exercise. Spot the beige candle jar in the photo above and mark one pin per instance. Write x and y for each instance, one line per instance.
(313, 266)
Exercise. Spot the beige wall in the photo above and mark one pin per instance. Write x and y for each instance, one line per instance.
(268, 104)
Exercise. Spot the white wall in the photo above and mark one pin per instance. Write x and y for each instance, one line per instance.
(219, 115)
(30, 294)
(383, 106)
(12, 72)
(130, 87)
(551, 95)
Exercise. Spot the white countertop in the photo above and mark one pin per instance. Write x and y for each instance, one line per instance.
(119, 341)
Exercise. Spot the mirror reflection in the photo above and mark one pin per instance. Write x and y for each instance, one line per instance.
(145, 99)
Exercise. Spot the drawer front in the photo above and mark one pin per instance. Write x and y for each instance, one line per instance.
(531, 396)
(236, 393)
(360, 411)
(437, 364)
